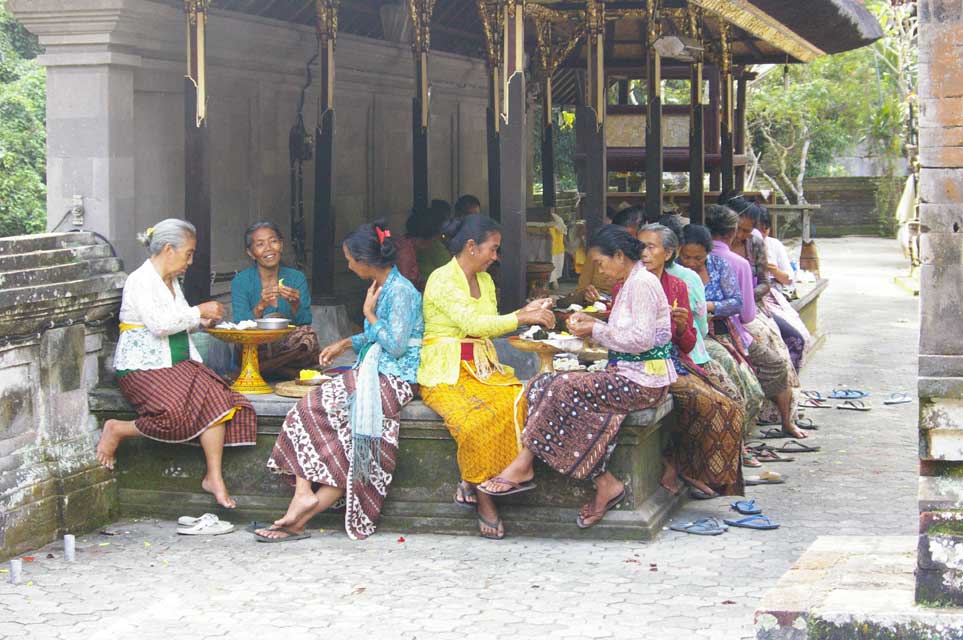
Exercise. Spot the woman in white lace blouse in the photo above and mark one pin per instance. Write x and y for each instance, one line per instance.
(159, 371)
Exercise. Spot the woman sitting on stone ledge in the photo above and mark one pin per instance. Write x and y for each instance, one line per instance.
(574, 418)
(159, 371)
(706, 448)
(341, 440)
(269, 289)
(461, 379)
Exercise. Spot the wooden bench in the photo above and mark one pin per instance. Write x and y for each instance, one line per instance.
(161, 480)
(807, 305)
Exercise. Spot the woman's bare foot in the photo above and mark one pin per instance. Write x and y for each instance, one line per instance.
(795, 431)
(465, 494)
(218, 489)
(699, 485)
(670, 477)
(276, 532)
(109, 440)
(300, 504)
(489, 524)
(606, 489)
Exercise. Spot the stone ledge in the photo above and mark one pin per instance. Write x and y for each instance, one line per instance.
(853, 587)
(160, 480)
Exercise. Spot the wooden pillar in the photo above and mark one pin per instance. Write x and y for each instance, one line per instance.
(490, 12)
(513, 149)
(653, 118)
(197, 161)
(590, 119)
(697, 148)
(740, 132)
(420, 11)
(323, 236)
(548, 145)
(726, 119)
(712, 127)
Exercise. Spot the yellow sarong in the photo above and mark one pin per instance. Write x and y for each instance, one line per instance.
(484, 418)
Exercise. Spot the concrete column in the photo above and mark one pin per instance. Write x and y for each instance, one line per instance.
(939, 578)
(90, 113)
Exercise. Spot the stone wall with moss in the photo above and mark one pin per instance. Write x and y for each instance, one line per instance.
(58, 295)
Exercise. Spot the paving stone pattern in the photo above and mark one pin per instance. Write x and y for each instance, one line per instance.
(150, 583)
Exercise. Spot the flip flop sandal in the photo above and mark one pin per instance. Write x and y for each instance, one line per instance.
(766, 477)
(495, 526)
(207, 528)
(746, 507)
(768, 454)
(188, 521)
(591, 514)
(699, 494)
(760, 522)
(774, 434)
(254, 526)
(514, 487)
(460, 498)
(853, 405)
(815, 396)
(898, 397)
(750, 461)
(291, 536)
(701, 527)
(812, 404)
(848, 394)
(794, 446)
(806, 423)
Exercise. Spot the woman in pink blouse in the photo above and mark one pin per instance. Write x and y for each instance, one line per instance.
(574, 418)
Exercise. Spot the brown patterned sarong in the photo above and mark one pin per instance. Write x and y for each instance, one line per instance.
(708, 443)
(315, 444)
(574, 418)
(284, 358)
(179, 403)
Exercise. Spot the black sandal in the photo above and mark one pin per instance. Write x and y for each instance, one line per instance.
(462, 493)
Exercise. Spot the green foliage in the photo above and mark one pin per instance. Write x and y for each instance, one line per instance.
(23, 136)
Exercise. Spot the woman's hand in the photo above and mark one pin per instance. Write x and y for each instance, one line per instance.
(543, 317)
(539, 303)
(680, 319)
(332, 351)
(580, 324)
(211, 310)
(292, 295)
(710, 306)
(269, 298)
(207, 323)
(371, 302)
(592, 294)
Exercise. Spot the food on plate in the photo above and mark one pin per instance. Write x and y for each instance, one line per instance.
(239, 326)
(310, 374)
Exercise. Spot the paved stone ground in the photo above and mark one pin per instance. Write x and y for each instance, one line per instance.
(150, 583)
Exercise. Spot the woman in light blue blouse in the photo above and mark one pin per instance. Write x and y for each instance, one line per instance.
(269, 289)
(343, 435)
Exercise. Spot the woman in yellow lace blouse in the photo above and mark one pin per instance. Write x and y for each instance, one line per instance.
(460, 376)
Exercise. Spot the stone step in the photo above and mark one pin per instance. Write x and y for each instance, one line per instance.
(52, 257)
(61, 292)
(56, 274)
(45, 242)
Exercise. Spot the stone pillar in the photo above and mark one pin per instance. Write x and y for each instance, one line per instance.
(939, 576)
(90, 113)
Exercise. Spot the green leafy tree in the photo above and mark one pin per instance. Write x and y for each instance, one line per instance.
(23, 136)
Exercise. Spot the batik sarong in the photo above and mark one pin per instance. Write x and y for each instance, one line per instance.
(574, 418)
(315, 444)
(483, 417)
(179, 403)
(284, 358)
(738, 373)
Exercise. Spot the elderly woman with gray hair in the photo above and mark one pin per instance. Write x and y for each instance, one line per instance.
(177, 399)
(269, 289)
(706, 449)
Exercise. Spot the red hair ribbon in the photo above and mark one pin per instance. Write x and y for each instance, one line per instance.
(382, 234)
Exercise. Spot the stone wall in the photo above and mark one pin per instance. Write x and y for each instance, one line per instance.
(939, 576)
(848, 205)
(50, 482)
(115, 76)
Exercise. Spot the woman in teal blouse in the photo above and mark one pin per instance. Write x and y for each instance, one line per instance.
(269, 289)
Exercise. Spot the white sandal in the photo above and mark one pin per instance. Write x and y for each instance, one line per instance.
(207, 525)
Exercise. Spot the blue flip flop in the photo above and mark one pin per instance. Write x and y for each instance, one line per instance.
(848, 394)
(701, 527)
(760, 522)
(746, 507)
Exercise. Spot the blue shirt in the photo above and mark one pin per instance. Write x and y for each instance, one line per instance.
(399, 329)
(246, 293)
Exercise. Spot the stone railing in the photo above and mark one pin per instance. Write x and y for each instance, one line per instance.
(58, 293)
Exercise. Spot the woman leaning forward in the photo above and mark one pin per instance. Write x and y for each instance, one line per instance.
(574, 418)
(341, 440)
(159, 371)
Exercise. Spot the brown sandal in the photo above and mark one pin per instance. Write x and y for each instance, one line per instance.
(590, 513)
(514, 487)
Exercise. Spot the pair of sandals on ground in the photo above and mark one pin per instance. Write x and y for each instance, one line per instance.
(712, 527)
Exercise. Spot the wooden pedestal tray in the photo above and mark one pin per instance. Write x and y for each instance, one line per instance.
(249, 380)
